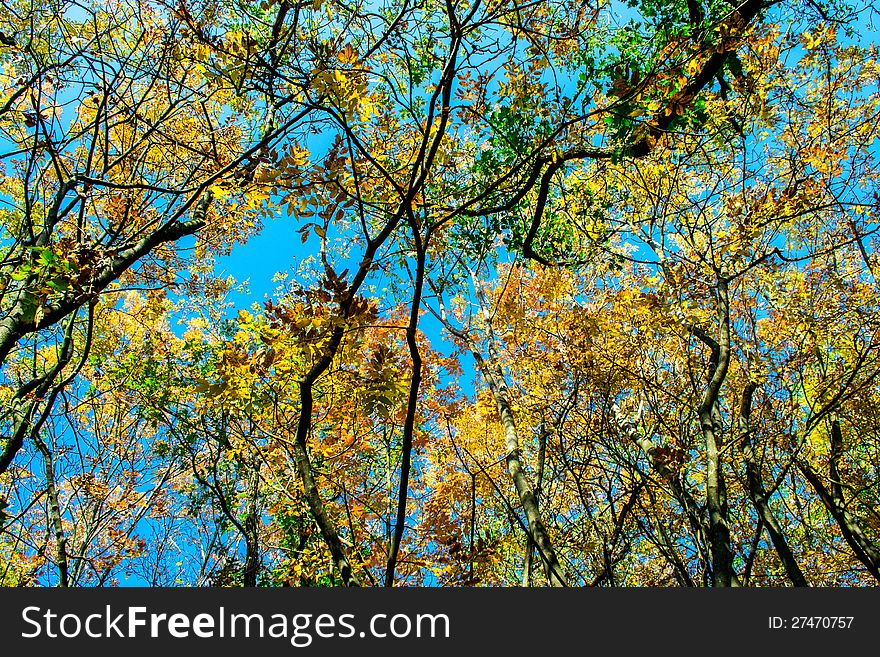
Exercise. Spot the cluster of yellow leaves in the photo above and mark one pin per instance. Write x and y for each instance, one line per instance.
(346, 88)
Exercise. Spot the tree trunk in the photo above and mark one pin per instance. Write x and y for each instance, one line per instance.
(723, 574)
(865, 550)
(251, 528)
(513, 460)
(758, 494)
(54, 513)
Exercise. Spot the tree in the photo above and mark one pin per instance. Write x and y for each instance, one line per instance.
(647, 234)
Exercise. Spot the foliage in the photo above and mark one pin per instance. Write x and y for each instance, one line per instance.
(581, 294)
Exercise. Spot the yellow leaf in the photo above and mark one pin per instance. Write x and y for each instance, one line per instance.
(219, 191)
(812, 42)
(348, 55)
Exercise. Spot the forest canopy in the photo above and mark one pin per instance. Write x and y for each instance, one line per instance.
(568, 293)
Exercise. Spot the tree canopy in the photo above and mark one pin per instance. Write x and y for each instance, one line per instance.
(574, 293)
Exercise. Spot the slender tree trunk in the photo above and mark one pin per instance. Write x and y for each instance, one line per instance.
(530, 546)
(251, 528)
(723, 573)
(473, 526)
(698, 524)
(319, 512)
(758, 495)
(494, 377)
(515, 469)
(668, 550)
(865, 550)
(54, 513)
(26, 399)
(411, 406)
(527, 562)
